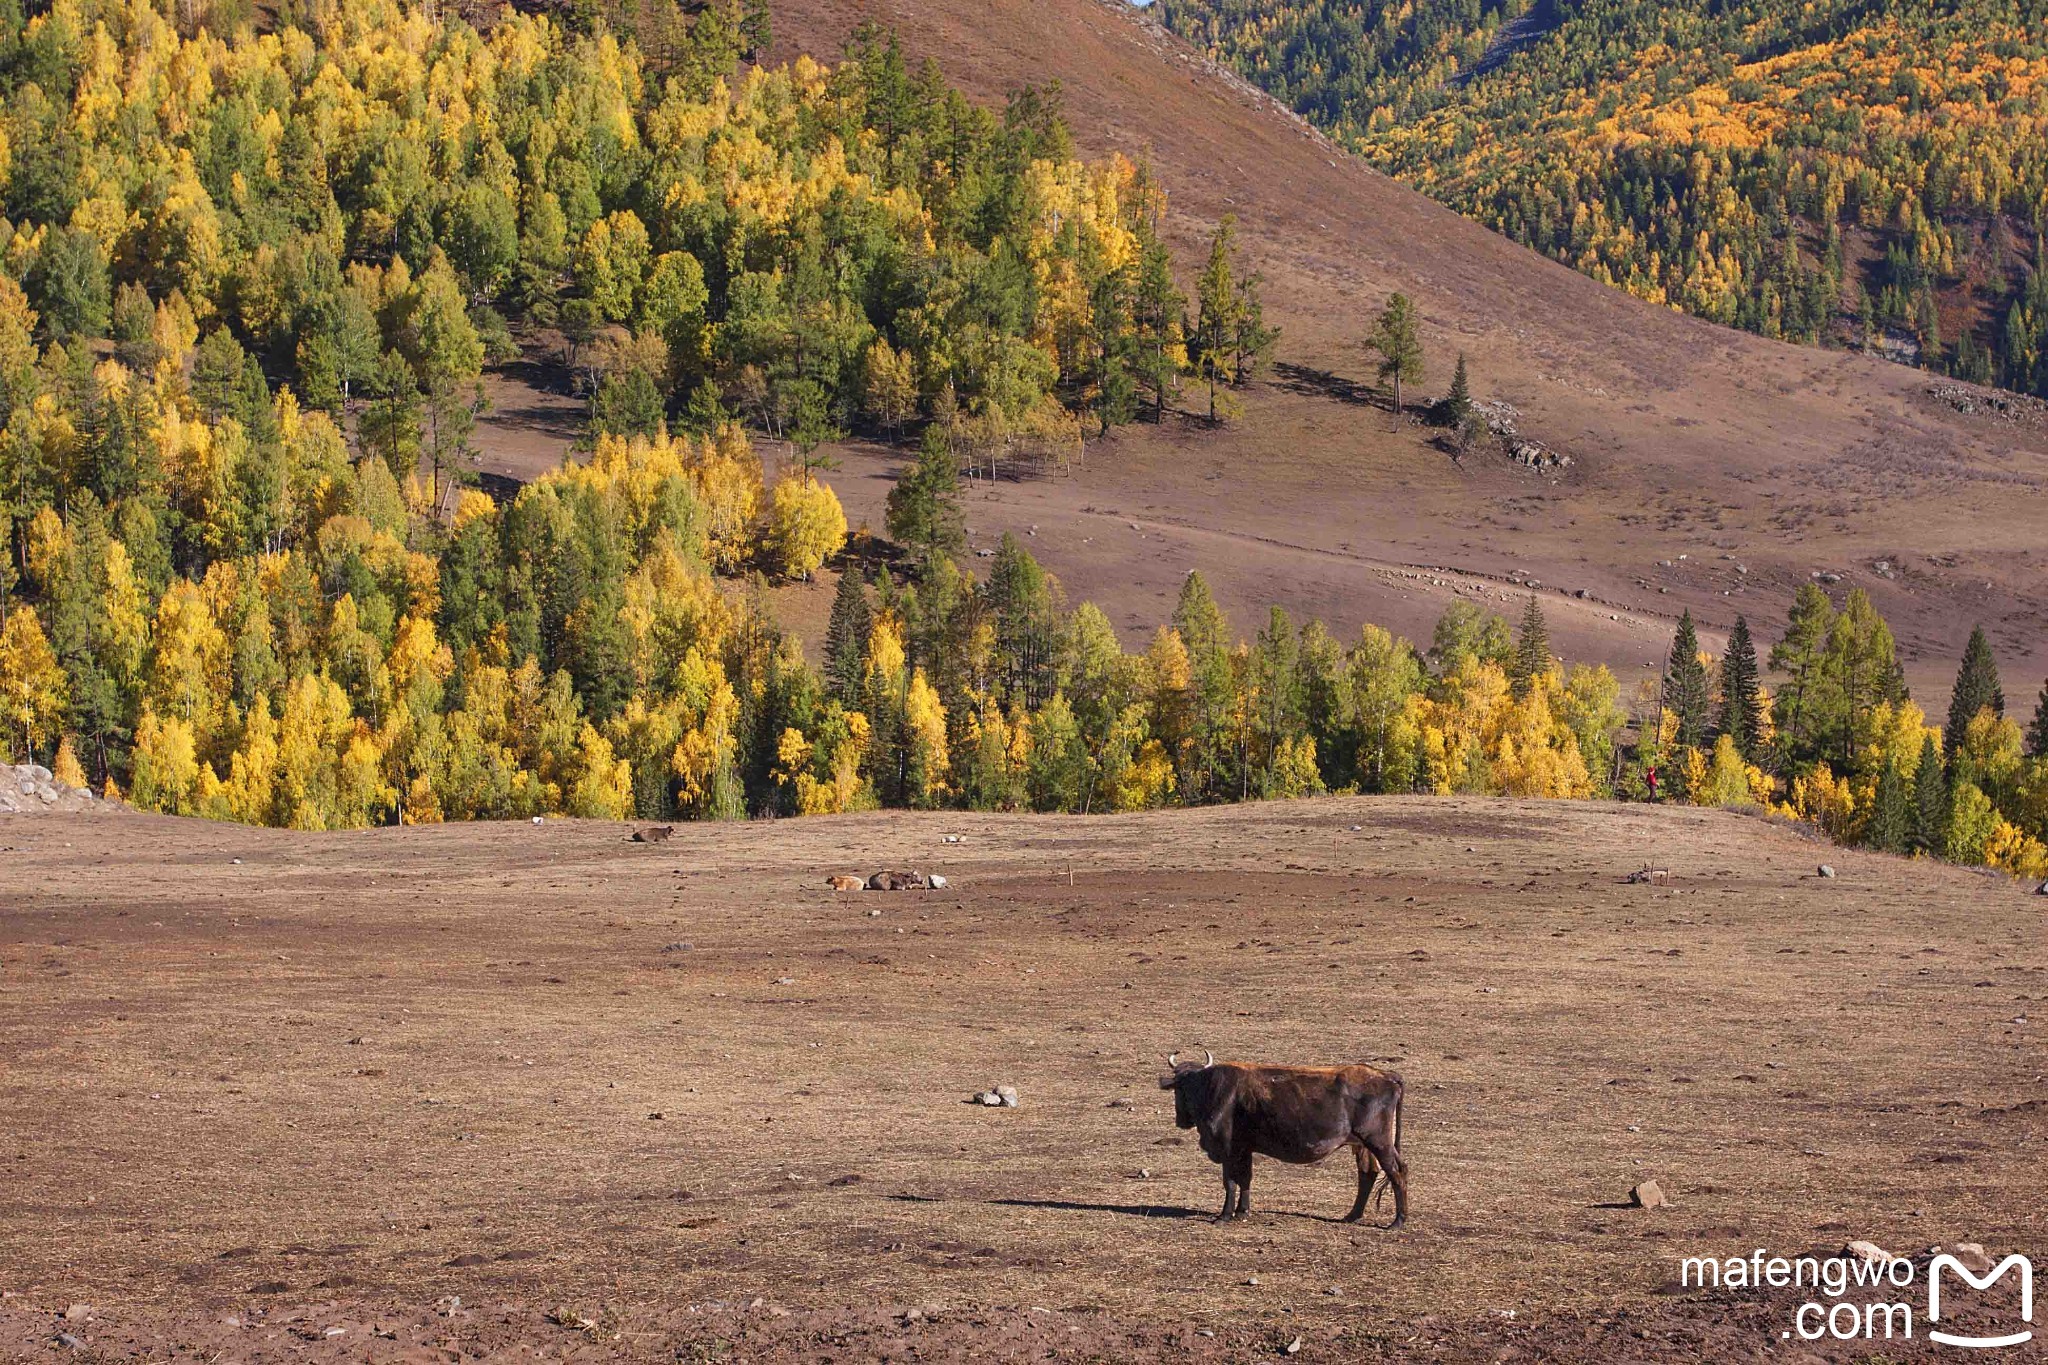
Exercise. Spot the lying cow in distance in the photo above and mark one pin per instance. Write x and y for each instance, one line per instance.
(1298, 1114)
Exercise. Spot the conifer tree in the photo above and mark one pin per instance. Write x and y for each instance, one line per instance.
(1394, 336)
(1685, 685)
(1458, 402)
(1930, 800)
(924, 506)
(1741, 696)
(846, 638)
(2037, 733)
(1892, 813)
(1532, 649)
(1800, 655)
(1976, 688)
(1220, 310)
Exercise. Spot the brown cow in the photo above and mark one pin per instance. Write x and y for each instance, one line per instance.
(1298, 1114)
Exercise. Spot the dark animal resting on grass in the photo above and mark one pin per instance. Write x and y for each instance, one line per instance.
(653, 834)
(1298, 1114)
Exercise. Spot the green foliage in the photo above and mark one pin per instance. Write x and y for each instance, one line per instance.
(1977, 689)
(1399, 344)
(1742, 712)
(924, 507)
(1687, 694)
(1532, 648)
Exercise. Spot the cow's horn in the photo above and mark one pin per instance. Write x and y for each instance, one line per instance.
(1172, 1058)
(1209, 1058)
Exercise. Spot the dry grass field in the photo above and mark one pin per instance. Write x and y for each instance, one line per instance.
(270, 1095)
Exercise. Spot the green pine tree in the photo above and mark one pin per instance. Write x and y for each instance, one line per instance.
(2037, 733)
(1892, 814)
(1741, 692)
(1532, 649)
(1457, 404)
(846, 638)
(1930, 801)
(1396, 339)
(1685, 685)
(924, 507)
(1976, 689)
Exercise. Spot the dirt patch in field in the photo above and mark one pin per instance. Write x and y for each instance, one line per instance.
(547, 1071)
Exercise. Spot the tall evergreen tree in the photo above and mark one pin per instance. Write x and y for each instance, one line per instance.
(1801, 657)
(1741, 692)
(1976, 688)
(1395, 337)
(846, 638)
(2037, 733)
(924, 506)
(1686, 693)
(1930, 800)
(1892, 813)
(1457, 405)
(1532, 648)
(1219, 311)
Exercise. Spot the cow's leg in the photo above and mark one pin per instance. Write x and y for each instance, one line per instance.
(1397, 1175)
(1229, 1192)
(1244, 1187)
(1367, 1173)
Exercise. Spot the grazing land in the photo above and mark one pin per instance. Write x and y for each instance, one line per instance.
(678, 1100)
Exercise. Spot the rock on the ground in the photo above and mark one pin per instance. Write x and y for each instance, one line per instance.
(1972, 1256)
(1648, 1195)
(31, 788)
(1826, 870)
(997, 1097)
(1867, 1251)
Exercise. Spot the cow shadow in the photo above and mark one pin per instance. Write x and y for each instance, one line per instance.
(1174, 1211)
(1082, 1206)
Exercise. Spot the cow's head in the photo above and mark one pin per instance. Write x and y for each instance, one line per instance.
(1188, 1082)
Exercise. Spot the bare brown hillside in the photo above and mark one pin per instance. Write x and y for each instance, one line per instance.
(1713, 469)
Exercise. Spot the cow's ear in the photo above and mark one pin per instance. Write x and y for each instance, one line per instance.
(1168, 1082)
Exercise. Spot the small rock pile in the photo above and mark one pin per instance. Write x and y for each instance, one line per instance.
(29, 788)
(887, 881)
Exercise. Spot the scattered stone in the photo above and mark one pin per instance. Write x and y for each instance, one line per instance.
(77, 1312)
(1826, 870)
(675, 947)
(1294, 1346)
(935, 882)
(1648, 1195)
(653, 834)
(67, 1339)
(996, 1097)
(1867, 1251)
(1120, 1102)
(843, 881)
(1972, 1257)
(955, 839)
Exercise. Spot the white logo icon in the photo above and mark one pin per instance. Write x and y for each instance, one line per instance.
(1997, 1273)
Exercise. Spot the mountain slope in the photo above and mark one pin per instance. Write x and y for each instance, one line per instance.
(1688, 439)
